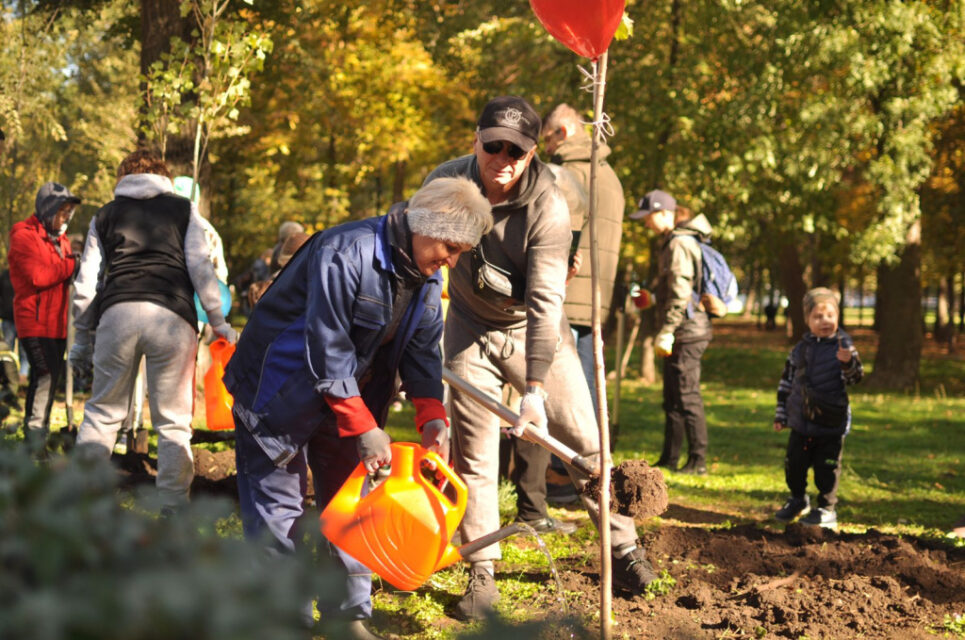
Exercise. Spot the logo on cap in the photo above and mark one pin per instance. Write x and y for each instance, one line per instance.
(513, 117)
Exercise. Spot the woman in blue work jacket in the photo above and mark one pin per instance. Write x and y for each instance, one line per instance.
(356, 309)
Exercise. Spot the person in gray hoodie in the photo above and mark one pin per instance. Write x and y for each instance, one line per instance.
(684, 331)
(144, 258)
(506, 325)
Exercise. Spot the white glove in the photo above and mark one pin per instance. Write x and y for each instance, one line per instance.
(663, 344)
(531, 410)
(227, 332)
(435, 437)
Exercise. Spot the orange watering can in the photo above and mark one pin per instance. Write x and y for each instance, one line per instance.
(400, 529)
(217, 400)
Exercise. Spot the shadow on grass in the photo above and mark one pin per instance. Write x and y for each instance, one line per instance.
(691, 515)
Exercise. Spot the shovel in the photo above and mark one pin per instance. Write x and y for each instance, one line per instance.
(530, 432)
(638, 491)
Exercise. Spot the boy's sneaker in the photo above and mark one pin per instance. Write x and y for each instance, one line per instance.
(480, 597)
(792, 508)
(633, 571)
(822, 517)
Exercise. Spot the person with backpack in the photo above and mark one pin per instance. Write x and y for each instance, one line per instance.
(684, 329)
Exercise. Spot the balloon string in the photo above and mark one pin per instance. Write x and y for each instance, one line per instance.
(602, 126)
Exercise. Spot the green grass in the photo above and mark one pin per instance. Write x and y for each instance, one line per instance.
(903, 464)
(903, 473)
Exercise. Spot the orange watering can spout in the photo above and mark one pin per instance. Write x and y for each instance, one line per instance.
(401, 528)
(217, 401)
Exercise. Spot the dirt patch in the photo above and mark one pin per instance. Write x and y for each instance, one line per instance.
(637, 489)
(740, 582)
(214, 472)
(214, 465)
(803, 582)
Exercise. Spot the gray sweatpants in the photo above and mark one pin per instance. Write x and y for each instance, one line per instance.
(127, 331)
(487, 360)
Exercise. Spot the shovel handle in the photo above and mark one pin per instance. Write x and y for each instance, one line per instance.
(490, 538)
(530, 432)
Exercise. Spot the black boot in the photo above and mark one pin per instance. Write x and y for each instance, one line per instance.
(666, 463)
(695, 466)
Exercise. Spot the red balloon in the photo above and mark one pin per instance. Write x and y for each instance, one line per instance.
(585, 26)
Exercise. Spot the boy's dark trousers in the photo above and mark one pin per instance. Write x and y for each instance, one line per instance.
(824, 455)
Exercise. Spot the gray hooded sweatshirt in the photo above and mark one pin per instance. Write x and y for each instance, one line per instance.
(530, 240)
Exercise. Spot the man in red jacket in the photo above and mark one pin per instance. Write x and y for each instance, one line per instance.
(41, 268)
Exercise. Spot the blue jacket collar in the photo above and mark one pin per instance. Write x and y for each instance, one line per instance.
(383, 250)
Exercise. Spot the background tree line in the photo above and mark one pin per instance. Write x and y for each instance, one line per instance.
(822, 139)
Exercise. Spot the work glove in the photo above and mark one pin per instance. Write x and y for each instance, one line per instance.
(81, 356)
(663, 344)
(435, 437)
(227, 332)
(373, 449)
(532, 409)
(642, 298)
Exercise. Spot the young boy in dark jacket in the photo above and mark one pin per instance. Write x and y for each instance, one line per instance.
(813, 401)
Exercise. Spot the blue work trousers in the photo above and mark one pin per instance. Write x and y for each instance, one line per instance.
(272, 500)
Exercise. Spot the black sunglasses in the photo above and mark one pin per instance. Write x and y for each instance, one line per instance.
(493, 148)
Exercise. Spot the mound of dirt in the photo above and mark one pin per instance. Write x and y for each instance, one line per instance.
(214, 472)
(803, 582)
(637, 489)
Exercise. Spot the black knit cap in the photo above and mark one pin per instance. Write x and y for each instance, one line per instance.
(512, 119)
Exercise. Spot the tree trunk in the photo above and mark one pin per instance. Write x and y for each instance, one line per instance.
(952, 337)
(861, 298)
(898, 310)
(792, 279)
(961, 305)
(842, 285)
(753, 288)
(943, 321)
(160, 21)
(398, 182)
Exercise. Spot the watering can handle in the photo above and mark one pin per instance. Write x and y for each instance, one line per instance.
(446, 471)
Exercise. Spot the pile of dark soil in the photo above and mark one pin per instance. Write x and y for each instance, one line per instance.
(746, 582)
(636, 489)
(214, 472)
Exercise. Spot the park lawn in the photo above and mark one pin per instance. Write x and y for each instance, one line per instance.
(903, 460)
(903, 472)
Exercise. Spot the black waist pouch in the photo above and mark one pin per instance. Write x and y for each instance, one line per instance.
(495, 284)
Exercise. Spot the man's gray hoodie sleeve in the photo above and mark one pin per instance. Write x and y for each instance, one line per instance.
(548, 250)
(87, 283)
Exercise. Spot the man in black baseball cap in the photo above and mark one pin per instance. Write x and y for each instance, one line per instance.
(509, 118)
(505, 325)
(506, 135)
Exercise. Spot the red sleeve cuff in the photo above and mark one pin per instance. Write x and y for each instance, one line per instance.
(427, 409)
(351, 415)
